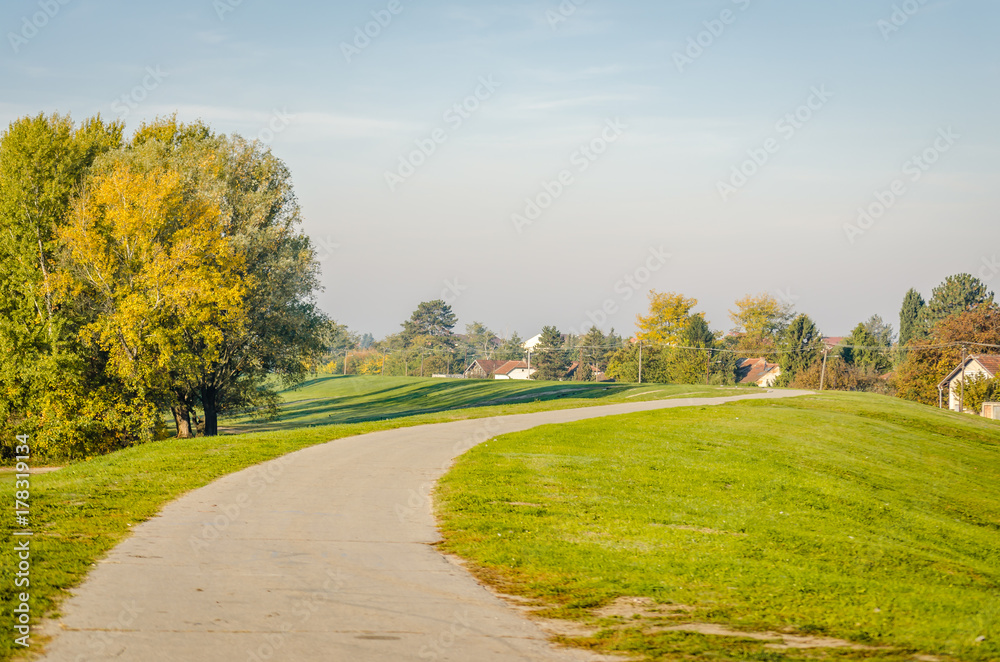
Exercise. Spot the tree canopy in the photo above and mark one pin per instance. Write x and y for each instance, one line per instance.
(166, 272)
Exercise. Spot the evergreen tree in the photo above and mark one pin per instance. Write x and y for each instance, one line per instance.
(865, 351)
(801, 345)
(957, 294)
(432, 323)
(910, 318)
(549, 358)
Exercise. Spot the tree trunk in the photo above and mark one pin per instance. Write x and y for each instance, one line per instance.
(208, 403)
(182, 418)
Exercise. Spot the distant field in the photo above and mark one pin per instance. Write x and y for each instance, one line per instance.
(357, 399)
(852, 517)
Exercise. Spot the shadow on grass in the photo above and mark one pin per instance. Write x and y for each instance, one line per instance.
(338, 399)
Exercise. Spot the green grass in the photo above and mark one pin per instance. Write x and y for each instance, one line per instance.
(850, 516)
(81, 511)
(329, 400)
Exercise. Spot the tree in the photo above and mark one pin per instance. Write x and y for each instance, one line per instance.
(759, 321)
(866, 351)
(928, 362)
(980, 389)
(481, 340)
(596, 348)
(669, 315)
(155, 263)
(957, 294)
(549, 359)
(882, 331)
(801, 346)
(263, 218)
(50, 386)
(691, 363)
(760, 316)
(511, 349)
(910, 317)
(432, 322)
(273, 259)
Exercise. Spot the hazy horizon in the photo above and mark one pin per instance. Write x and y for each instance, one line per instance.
(418, 153)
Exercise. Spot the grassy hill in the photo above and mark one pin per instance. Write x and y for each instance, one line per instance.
(745, 529)
(81, 511)
(358, 399)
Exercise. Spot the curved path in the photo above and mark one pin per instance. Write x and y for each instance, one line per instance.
(323, 554)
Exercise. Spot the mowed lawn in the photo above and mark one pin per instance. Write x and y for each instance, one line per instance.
(357, 399)
(847, 516)
(84, 509)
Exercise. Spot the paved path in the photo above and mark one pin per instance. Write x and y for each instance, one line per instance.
(323, 554)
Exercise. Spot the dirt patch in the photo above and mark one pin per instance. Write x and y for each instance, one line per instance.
(700, 529)
(636, 395)
(776, 640)
(639, 608)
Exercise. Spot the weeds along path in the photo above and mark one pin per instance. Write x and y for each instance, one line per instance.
(324, 554)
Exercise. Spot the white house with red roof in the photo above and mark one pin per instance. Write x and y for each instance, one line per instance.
(514, 370)
(987, 365)
(757, 371)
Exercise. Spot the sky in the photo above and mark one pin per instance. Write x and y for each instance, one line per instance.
(550, 163)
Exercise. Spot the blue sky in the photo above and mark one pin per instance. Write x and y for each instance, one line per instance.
(643, 123)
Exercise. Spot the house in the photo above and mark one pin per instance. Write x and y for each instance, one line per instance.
(832, 342)
(533, 342)
(482, 369)
(514, 370)
(987, 365)
(757, 371)
(991, 410)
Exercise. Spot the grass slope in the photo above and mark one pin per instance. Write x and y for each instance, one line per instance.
(81, 511)
(329, 400)
(857, 517)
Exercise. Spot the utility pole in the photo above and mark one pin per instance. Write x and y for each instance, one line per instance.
(346, 352)
(708, 362)
(961, 397)
(640, 360)
(822, 376)
(383, 364)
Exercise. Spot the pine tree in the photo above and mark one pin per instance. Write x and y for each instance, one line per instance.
(910, 318)
(957, 294)
(549, 357)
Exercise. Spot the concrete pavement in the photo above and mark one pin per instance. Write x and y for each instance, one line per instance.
(323, 554)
